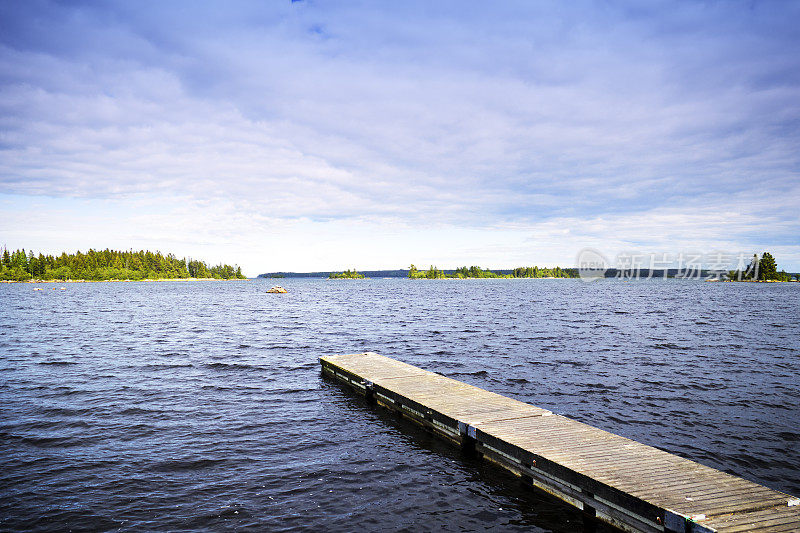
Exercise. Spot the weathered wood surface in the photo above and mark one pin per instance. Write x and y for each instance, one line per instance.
(631, 485)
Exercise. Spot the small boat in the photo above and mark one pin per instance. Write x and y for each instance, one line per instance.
(277, 289)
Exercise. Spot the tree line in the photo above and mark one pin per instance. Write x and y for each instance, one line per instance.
(478, 272)
(100, 265)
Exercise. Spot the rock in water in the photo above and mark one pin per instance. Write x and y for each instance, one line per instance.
(277, 289)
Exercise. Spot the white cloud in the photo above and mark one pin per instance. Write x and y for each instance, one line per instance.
(460, 132)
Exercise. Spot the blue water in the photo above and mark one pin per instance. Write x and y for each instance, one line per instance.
(200, 406)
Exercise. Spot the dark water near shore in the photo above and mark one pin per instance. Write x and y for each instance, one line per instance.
(200, 406)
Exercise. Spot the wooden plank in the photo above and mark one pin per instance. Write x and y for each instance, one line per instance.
(374, 365)
(552, 441)
(782, 518)
(632, 484)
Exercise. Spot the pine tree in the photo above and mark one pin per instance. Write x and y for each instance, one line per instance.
(767, 268)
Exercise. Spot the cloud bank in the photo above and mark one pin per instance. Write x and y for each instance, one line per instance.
(379, 134)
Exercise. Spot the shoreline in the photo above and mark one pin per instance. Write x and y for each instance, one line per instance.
(119, 280)
(417, 279)
(757, 280)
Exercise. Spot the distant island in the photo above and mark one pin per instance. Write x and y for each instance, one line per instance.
(435, 273)
(108, 265)
(327, 273)
(347, 274)
(761, 269)
(477, 272)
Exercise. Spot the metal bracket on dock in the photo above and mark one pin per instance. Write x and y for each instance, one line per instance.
(369, 390)
(677, 522)
(466, 429)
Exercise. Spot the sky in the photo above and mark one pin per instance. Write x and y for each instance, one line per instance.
(298, 136)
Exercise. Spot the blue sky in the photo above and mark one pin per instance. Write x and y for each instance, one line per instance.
(312, 136)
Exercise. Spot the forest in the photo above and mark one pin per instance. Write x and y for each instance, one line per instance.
(106, 265)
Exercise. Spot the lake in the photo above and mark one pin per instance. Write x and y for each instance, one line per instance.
(200, 405)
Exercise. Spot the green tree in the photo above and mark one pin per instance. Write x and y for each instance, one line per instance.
(434, 273)
(767, 268)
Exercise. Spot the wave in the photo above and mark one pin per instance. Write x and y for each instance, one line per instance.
(182, 465)
(232, 366)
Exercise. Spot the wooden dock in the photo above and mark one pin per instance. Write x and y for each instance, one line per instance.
(622, 482)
